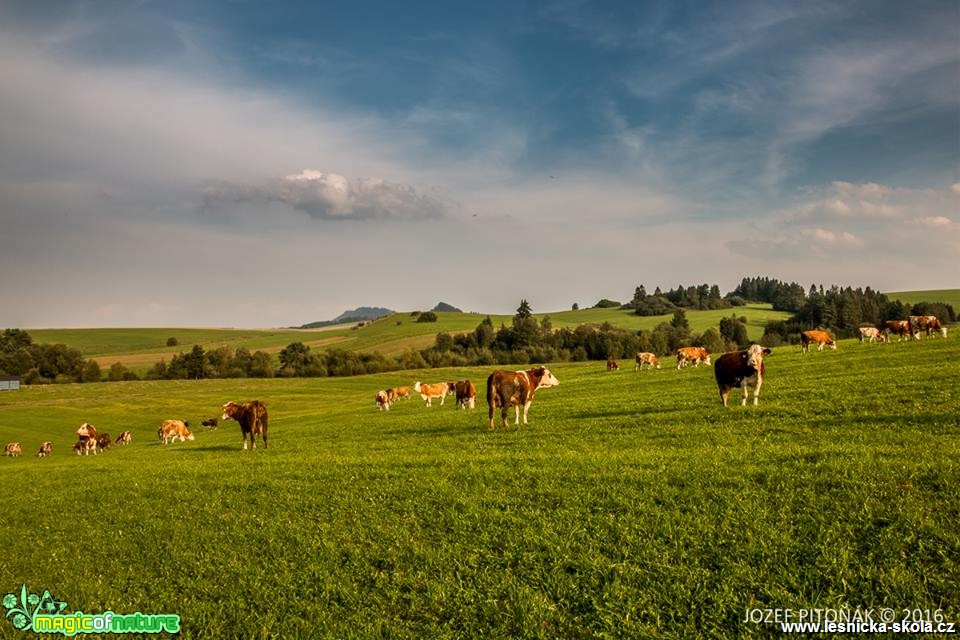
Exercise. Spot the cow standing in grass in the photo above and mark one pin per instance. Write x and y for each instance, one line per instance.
(817, 337)
(507, 389)
(124, 438)
(645, 357)
(12, 449)
(741, 369)
(871, 334)
(464, 392)
(252, 417)
(428, 392)
(88, 439)
(46, 448)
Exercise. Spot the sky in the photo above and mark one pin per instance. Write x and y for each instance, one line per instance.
(248, 164)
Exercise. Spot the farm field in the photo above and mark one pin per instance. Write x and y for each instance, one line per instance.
(138, 349)
(633, 505)
(947, 296)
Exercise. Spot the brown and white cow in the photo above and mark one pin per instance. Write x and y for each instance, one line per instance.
(13, 449)
(46, 448)
(124, 438)
(252, 417)
(103, 441)
(645, 357)
(430, 391)
(464, 392)
(820, 338)
(929, 323)
(741, 369)
(401, 392)
(383, 400)
(516, 388)
(871, 334)
(170, 430)
(612, 365)
(696, 355)
(87, 434)
(901, 328)
(80, 447)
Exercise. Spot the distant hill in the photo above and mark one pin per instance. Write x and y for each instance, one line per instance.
(351, 315)
(443, 306)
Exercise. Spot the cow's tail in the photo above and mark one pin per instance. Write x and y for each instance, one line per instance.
(490, 400)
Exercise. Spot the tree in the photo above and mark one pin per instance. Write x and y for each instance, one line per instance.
(172, 342)
(444, 342)
(524, 310)
(294, 359)
(575, 307)
(91, 372)
(195, 363)
(427, 316)
(116, 373)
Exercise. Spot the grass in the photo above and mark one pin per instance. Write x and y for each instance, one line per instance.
(633, 505)
(946, 296)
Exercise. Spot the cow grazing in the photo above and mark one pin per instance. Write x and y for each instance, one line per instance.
(929, 323)
(383, 401)
(170, 430)
(871, 334)
(46, 448)
(741, 369)
(516, 388)
(252, 417)
(401, 392)
(430, 391)
(211, 423)
(124, 438)
(612, 365)
(820, 338)
(696, 355)
(103, 441)
(901, 328)
(87, 434)
(645, 357)
(13, 449)
(464, 392)
(79, 446)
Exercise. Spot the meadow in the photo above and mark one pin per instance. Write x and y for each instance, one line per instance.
(632, 505)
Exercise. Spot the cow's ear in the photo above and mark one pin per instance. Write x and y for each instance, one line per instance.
(541, 370)
(767, 351)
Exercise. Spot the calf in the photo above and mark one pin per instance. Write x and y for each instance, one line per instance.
(252, 417)
(124, 438)
(645, 357)
(170, 430)
(696, 355)
(873, 333)
(612, 365)
(516, 388)
(464, 392)
(13, 449)
(820, 338)
(430, 391)
(741, 369)
(383, 401)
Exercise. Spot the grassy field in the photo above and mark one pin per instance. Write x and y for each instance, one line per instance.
(633, 505)
(138, 349)
(947, 296)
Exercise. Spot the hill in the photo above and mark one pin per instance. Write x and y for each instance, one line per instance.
(445, 308)
(360, 314)
(946, 296)
(632, 505)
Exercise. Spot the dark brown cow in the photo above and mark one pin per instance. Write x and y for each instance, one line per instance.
(901, 328)
(612, 365)
(741, 369)
(464, 392)
(103, 441)
(516, 388)
(210, 423)
(252, 417)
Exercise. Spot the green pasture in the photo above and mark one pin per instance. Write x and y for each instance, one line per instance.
(633, 505)
(946, 296)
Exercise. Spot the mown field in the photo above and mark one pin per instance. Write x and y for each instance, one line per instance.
(633, 505)
(140, 348)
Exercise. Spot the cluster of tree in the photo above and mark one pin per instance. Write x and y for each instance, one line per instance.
(784, 297)
(702, 297)
(222, 362)
(43, 363)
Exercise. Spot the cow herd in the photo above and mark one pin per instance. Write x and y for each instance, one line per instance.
(252, 417)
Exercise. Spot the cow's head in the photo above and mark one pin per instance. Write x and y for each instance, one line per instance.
(755, 353)
(87, 430)
(189, 435)
(229, 410)
(832, 344)
(547, 379)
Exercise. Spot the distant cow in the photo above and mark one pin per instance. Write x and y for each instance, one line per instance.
(252, 417)
(741, 369)
(46, 448)
(430, 391)
(872, 333)
(103, 441)
(87, 434)
(901, 328)
(612, 365)
(645, 357)
(929, 323)
(696, 355)
(170, 430)
(516, 388)
(820, 338)
(383, 401)
(211, 423)
(12, 449)
(124, 438)
(464, 392)
(401, 392)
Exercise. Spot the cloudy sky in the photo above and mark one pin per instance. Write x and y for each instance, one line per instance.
(257, 164)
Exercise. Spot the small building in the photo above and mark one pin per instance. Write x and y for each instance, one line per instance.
(9, 383)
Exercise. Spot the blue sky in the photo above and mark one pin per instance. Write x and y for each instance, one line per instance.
(158, 160)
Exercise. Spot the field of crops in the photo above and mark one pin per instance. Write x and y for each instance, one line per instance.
(633, 505)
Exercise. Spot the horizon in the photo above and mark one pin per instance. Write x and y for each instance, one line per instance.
(242, 165)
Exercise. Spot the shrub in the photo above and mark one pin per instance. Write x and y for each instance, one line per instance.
(172, 342)
(427, 316)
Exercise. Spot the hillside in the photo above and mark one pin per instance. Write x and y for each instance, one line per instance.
(946, 296)
(360, 314)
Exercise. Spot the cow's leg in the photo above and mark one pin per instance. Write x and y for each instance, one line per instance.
(504, 410)
(724, 393)
(244, 434)
(516, 419)
(756, 391)
(526, 409)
